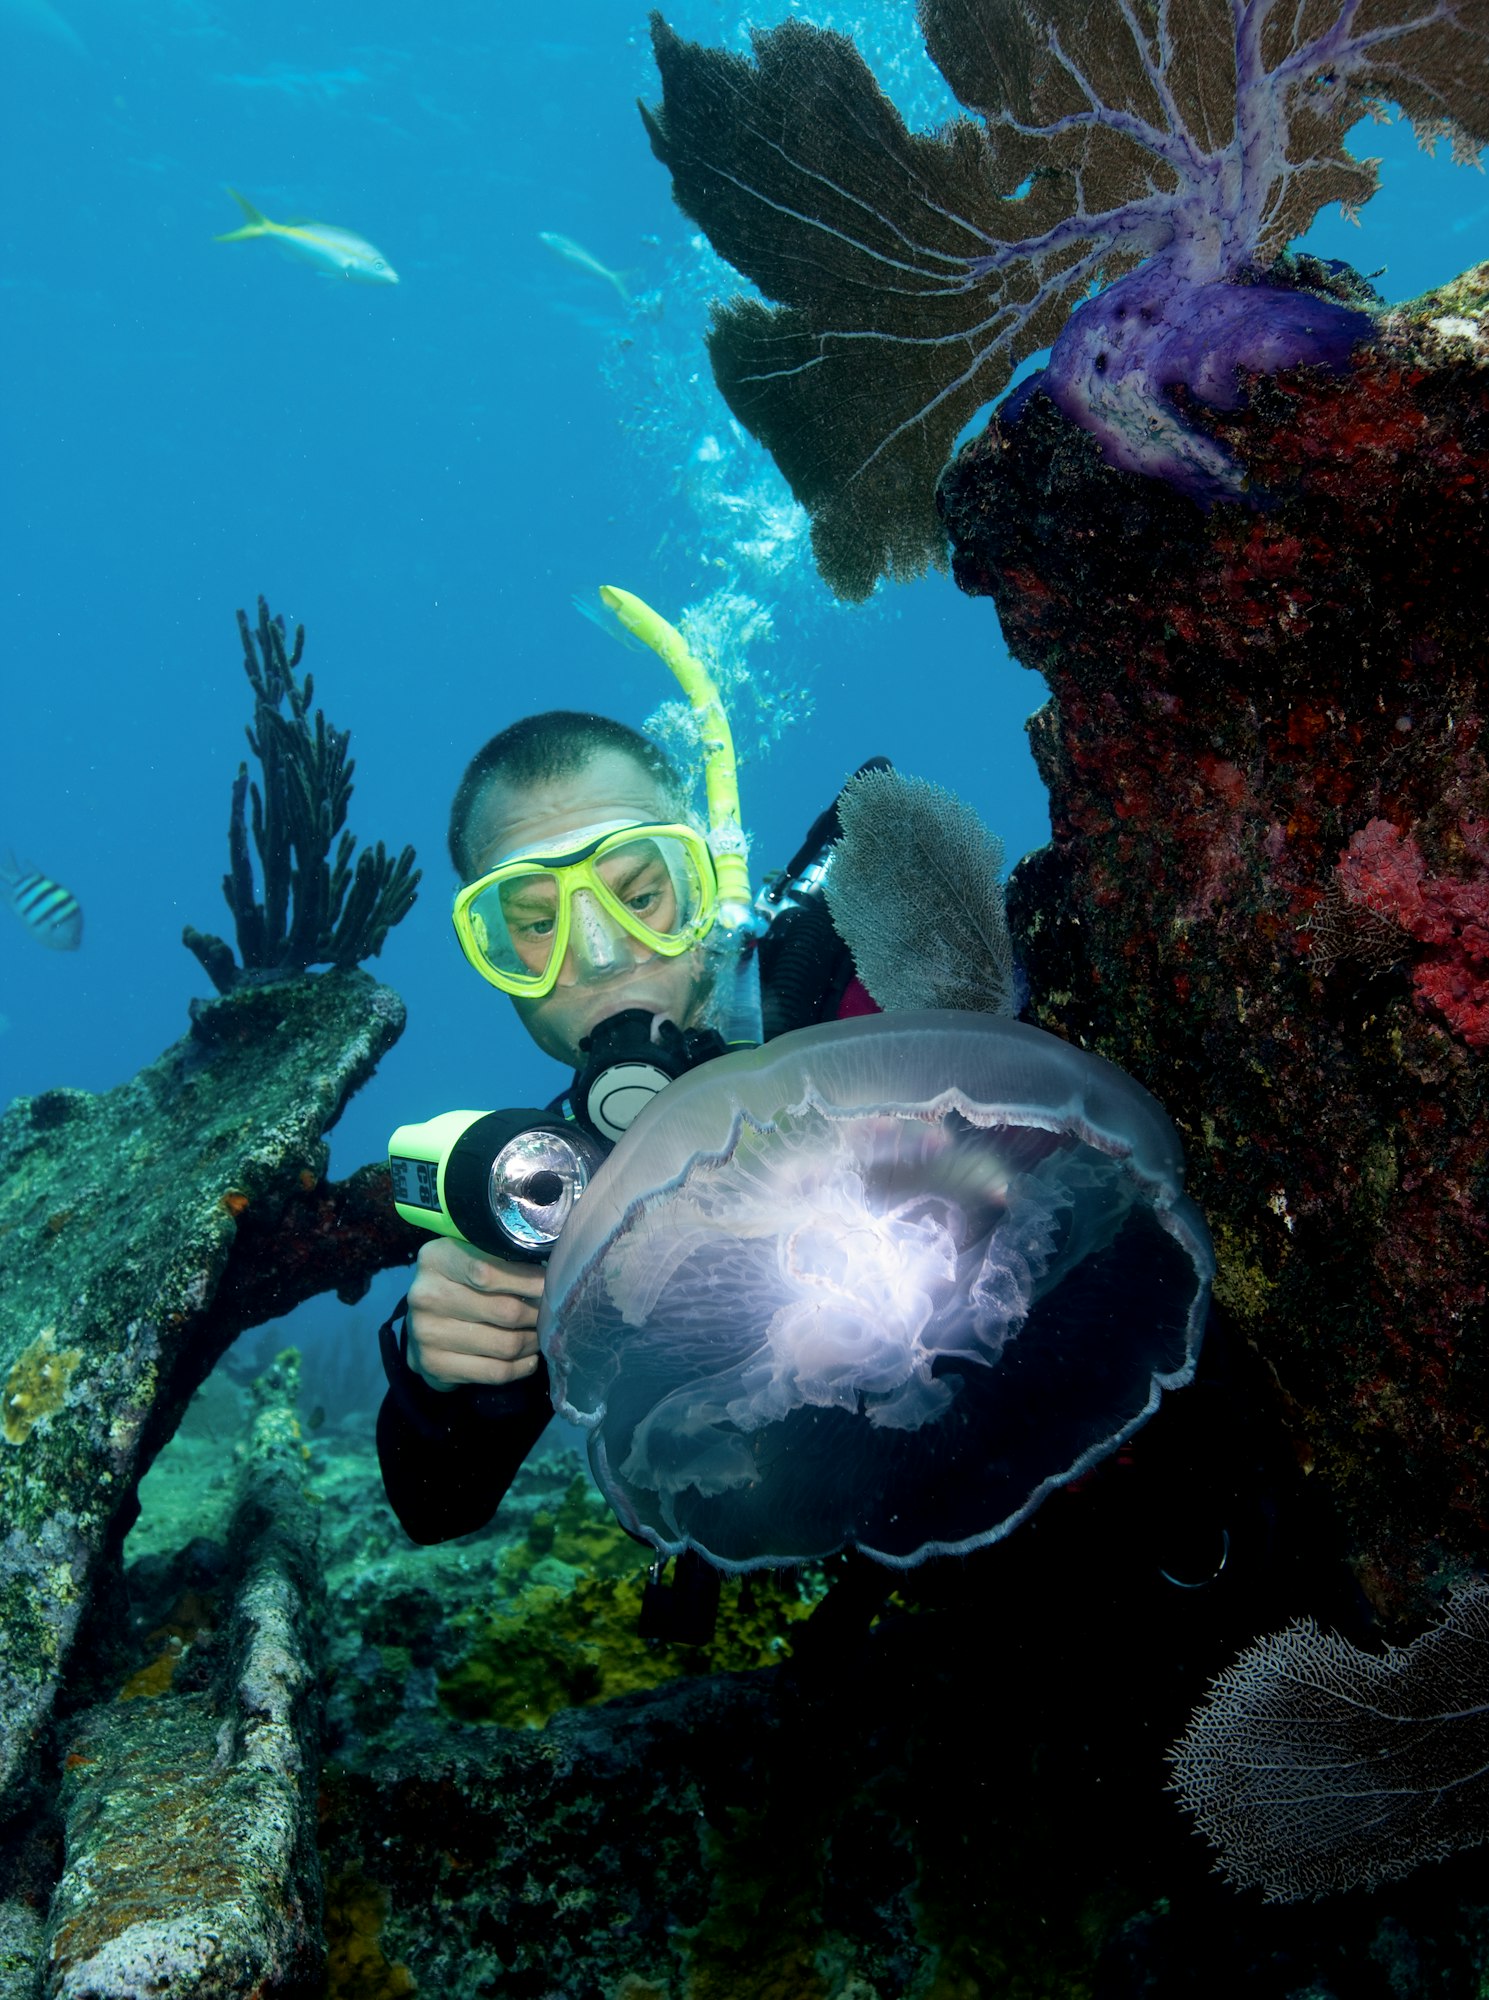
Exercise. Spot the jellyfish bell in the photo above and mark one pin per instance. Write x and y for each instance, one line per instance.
(883, 1283)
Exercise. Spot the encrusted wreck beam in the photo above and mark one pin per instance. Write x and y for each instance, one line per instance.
(190, 1816)
(139, 1232)
(20, 1951)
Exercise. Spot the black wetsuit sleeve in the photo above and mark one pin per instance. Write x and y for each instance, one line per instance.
(448, 1459)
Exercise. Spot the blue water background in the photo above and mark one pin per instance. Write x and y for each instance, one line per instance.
(426, 476)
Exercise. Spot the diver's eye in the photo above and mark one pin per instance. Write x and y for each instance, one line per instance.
(641, 886)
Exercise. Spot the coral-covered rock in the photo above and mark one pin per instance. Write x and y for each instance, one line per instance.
(140, 1231)
(1265, 895)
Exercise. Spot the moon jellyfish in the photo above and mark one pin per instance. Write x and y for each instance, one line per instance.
(886, 1282)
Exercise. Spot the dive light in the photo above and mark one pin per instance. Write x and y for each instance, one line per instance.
(507, 1181)
(503, 1181)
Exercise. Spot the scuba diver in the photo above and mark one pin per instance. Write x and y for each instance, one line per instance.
(615, 919)
(590, 895)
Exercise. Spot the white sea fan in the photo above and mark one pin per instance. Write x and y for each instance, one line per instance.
(1315, 1767)
(915, 891)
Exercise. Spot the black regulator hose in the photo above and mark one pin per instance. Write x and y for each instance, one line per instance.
(798, 962)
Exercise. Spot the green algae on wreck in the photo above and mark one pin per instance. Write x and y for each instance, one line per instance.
(118, 1214)
(567, 1635)
(533, 1614)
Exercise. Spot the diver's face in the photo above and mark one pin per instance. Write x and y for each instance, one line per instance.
(605, 970)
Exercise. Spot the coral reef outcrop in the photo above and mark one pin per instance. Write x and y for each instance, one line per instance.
(960, 1795)
(1266, 888)
(140, 1232)
(963, 1797)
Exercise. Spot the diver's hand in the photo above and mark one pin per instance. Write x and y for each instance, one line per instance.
(472, 1317)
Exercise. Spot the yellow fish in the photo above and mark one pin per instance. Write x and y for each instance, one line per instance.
(335, 253)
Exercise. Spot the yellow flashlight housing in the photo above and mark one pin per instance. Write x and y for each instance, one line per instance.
(503, 1181)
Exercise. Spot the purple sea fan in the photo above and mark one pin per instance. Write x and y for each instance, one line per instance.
(1167, 150)
(1315, 1767)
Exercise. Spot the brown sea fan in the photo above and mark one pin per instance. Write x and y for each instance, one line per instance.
(910, 273)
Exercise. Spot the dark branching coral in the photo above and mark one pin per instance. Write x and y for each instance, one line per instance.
(316, 908)
(1313, 1766)
(1172, 146)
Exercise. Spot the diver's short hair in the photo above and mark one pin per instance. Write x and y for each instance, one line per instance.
(540, 748)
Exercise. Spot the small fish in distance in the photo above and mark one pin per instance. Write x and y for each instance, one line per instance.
(602, 621)
(36, 17)
(335, 253)
(50, 912)
(582, 260)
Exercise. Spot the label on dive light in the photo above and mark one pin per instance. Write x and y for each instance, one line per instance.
(415, 1182)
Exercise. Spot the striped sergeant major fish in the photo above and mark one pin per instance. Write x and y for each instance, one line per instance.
(51, 913)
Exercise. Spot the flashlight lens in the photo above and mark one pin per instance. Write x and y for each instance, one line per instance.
(536, 1179)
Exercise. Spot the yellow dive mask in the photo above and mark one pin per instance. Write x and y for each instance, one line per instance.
(656, 884)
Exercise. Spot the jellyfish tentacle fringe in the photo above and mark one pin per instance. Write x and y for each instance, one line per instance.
(322, 902)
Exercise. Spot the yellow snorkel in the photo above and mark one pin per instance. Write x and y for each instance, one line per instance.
(721, 783)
